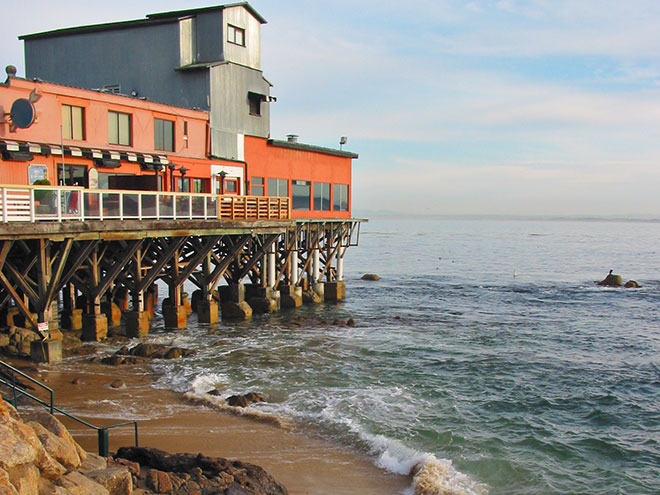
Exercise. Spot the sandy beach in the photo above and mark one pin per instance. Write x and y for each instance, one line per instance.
(304, 464)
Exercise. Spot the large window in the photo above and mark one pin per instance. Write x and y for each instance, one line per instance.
(257, 186)
(119, 128)
(235, 35)
(73, 122)
(278, 187)
(163, 135)
(321, 196)
(200, 185)
(300, 192)
(340, 197)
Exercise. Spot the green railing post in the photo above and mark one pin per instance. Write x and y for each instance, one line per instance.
(103, 442)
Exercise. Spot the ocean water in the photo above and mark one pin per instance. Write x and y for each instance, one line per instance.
(486, 359)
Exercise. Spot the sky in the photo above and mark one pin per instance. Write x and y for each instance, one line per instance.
(457, 107)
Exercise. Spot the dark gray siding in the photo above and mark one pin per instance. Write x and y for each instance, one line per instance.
(209, 36)
(141, 58)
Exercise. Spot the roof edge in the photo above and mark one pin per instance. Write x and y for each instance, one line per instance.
(310, 147)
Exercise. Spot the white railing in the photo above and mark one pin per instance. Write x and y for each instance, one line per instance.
(55, 203)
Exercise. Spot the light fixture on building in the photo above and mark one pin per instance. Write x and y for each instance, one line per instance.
(342, 141)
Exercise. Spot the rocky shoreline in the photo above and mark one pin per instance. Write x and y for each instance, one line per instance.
(38, 456)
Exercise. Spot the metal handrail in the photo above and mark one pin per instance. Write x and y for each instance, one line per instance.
(102, 431)
(22, 203)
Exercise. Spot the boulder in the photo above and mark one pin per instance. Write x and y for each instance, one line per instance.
(63, 452)
(6, 488)
(52, 424)
(14, 450)
(93, 462)
(370, 276)
(25, 478)
(118, 481)
(245, 400)
(611, 280)
(196, 473)
(79, 484)
(631, 284)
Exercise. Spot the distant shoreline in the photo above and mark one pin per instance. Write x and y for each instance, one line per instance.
(544, 218)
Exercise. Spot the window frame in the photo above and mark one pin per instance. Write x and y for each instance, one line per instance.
(69, 130)
(295, 201)
(232, 30)
(257, 183)
(338, 192)
(278, 183)
(322, 199)
(161, 133)
(129, 131)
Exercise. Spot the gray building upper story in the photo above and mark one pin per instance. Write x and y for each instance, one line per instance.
(207, 58)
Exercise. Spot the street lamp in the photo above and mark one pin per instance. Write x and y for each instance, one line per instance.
(222, 174)
(157, 168)
(171, 167)
(183, 171)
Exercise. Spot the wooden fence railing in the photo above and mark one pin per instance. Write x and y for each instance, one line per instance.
(56, 203)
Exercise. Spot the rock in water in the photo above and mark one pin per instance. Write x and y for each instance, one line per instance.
(631, 284)
(611, 280)
(370, 276)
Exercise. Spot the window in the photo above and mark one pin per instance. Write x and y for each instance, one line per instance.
(340, 197)
(199, 185)
(257, 186)
(231, 186)
(163, 135)
(73, 122)
(235, 35)
(254, 102)
(321, 196)
(278, 187)
(300, 191)
(119, 128)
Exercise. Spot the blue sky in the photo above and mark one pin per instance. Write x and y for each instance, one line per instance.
(541, 107)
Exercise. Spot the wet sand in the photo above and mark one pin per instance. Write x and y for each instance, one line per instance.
(301, 462)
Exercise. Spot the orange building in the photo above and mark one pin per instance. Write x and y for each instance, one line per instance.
(72, 136)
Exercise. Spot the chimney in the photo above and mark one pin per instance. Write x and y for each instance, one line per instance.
(292, 138)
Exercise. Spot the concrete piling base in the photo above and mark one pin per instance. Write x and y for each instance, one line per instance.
(72, 319)
(112, 313)
(175, 316)
(47, 351)
(137, 324)
(95, 328)
(335, 291)
(231, 310)
(291, 296)
(207, 311)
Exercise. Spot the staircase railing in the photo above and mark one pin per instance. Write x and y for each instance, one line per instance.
(17, 389)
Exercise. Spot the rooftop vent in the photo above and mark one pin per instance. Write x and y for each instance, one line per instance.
(292, 138)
